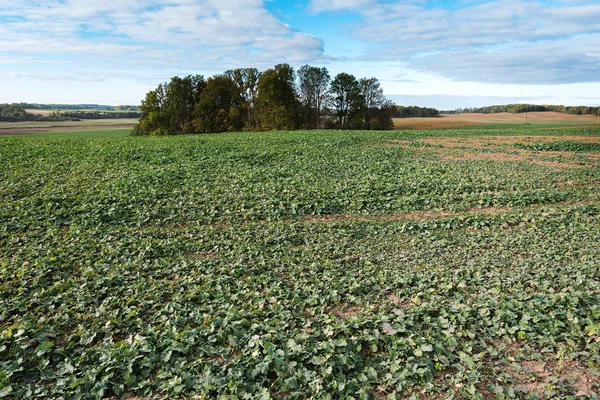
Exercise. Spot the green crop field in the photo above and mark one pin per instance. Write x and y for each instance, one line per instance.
(70, 124)
(454, 263)
(76, 132)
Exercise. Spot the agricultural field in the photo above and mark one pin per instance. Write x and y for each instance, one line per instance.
(65, 127)
(422, 264)
(453, 121)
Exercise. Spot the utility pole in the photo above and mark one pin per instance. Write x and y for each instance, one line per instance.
(525, 118)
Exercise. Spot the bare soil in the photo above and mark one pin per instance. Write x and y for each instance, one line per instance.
(453, 121)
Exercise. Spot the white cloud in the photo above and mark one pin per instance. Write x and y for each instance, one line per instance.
(507, 41)
(318, 6)
(218, 30)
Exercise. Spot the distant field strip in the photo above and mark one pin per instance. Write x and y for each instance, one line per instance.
(24, 128)
(536, 119)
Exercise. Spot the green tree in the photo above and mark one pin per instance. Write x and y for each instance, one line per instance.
(169, 109)
(182, 95)
(246, 80)
(313, 84)
(277, 102)
(153, 119)
(345, 98)
(220, 108)
(372, 97)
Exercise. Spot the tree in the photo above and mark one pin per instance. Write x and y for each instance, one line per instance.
(220, 108)
(373, 98)
(277, 102)
(169, 109)
(182, 95)
(246, 80)
(346, 97)
(153, 120)
(381, 117)
(313, 86)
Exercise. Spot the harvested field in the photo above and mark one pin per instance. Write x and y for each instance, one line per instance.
(28, 128)
(454, 121)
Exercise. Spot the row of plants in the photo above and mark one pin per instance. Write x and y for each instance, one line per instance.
(281, 265)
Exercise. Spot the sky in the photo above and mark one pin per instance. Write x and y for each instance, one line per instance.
(434, 53)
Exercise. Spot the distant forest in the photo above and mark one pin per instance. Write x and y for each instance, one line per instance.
(17, 113)
(77, 107)
(522, 108)
(278, 98)
(415, 112)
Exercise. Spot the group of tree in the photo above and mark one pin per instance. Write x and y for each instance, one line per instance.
(415, 112)
(278, 98)
(76, 107)
(14, 113)
(523, 108)
(77, 115)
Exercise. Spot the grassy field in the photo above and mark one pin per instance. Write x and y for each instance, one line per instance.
(450, 263)
(93, 127)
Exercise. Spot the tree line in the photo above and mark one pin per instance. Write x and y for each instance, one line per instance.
(523, 108)
(76, 107)
(76, 115)
(415, 112)
(278, 98)
(16, 113)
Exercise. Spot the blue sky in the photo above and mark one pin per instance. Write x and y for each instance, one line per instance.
(445, 54)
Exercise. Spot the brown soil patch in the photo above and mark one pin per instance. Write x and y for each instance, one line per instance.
(483, 142)
(457, 149)
(575, 184)
(345, 312)
(442, 122)
(534, 118)
(403, 144)
(535, 377)
(404, 216)
(201, 256)
(429, 215)
(397, 302)
(506, 157)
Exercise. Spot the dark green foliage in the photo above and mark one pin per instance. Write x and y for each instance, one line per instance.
(246, 99)
(415, 112)
(221, 107)
(313, 84)
(346, 100)
(75, 115)
(14, 113)
(11, 113)
(562, 146)
(169, 109)
(277, 103)
(246, 81)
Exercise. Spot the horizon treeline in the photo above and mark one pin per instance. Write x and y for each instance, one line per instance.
(279, 98)
(522, 108)
(16, 113)
(77, 107)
